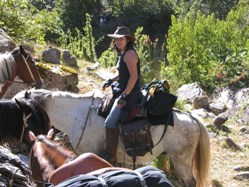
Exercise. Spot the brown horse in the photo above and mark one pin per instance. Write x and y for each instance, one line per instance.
(17, 63)
(51, 162)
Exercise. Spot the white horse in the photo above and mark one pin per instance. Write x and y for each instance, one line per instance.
(186, 143)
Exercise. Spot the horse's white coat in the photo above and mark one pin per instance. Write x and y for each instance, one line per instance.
(69, 112)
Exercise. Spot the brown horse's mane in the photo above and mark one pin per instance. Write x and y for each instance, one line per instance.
(50, 155)
(56, 146)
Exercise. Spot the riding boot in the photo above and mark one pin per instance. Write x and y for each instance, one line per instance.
(112, 143)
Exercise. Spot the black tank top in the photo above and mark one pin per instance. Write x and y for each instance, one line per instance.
(124, 74)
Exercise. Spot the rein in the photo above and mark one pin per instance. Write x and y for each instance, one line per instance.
(30, 72)
(25, 124)
(87, 116)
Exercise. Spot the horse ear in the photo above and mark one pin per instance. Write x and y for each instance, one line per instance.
(27, 95)
(22, 50)
(18, 103)
(32, 137)
(50, 134)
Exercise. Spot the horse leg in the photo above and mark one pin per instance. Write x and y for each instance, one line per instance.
(183, 167)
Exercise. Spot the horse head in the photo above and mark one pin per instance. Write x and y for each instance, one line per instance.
(35, 118)
(26, 68)
(46, 156)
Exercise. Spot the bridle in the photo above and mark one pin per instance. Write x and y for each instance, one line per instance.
(26, 63)
(27, 66)
(25, 124)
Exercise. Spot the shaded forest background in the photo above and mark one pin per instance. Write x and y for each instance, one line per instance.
(184, 41)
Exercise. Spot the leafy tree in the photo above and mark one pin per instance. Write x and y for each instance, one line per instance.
(11, 18)
(208, 50)
(83, 46)
(73, 13)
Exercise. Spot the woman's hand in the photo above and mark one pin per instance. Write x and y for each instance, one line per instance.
(122, 100)
(106, 84)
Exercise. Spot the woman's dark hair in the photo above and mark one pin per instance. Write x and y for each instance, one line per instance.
(129, 45)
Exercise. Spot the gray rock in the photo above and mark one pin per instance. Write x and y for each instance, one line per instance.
(6, 43)
(220, 119)
(11, 165)
(241, 168)
(201, 102)
(242, 176)
(68, 58)
(188, 92)
(231, 144)
(51, 55)
(217, 107)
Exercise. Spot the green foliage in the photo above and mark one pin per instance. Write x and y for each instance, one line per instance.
(151, 55)
(208, 50)
(11, 20)
(83, 46)
(41, 24)
(22, 20)
(108, 58)
(73, 13)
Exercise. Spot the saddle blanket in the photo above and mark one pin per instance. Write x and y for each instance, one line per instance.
(147, 176)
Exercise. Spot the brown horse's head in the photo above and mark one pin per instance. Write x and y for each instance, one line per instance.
(46, 156)
(26, 68)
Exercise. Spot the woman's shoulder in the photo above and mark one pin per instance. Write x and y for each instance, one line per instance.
(131, 53)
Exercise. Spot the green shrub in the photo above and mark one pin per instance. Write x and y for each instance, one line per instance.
(208, 50)
(83, 46)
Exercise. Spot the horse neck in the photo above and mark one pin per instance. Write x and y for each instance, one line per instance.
(7, 72)
(49, 157)
(7, 67)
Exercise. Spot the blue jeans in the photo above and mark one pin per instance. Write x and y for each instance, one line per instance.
(113, 118)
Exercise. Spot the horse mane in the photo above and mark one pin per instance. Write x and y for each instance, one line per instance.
(10, 119)
(56, 146)
(40, 114)
(50, 155)
(7, 67)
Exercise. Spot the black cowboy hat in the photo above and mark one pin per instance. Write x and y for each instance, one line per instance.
(121, 32)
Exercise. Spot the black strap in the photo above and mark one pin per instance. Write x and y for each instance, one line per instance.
(164, 131)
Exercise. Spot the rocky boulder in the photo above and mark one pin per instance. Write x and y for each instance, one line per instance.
(189, 92)
(69, 59)
(6, 43)
(51, 55)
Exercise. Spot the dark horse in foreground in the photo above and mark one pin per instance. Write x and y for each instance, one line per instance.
(54, 163)
(19, 116)
(17, 63)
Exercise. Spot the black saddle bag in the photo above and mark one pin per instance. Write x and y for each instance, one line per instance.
(106, 105)
(161, 103)
(136, 138)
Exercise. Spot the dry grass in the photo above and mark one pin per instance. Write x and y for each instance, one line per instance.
(225, 159)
